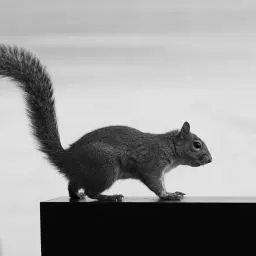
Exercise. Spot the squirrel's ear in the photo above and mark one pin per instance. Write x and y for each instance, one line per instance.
(185, 130)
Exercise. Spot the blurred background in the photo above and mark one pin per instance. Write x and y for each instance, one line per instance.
(149, 64)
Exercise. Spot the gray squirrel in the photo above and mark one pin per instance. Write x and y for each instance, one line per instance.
(99, 158)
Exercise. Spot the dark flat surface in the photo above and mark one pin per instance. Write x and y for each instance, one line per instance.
(187, 199)
(141, 224)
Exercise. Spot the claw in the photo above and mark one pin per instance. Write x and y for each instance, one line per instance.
(180, 193)
(172, 197)
(119, 198)
(115, 198)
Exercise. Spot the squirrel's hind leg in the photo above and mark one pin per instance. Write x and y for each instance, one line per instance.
(101, 167)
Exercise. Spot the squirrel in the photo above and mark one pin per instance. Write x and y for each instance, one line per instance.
(94, 162)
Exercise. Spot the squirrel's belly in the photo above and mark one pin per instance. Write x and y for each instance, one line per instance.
(126, 175)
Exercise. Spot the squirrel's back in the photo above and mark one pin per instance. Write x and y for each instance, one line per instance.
(112, 135)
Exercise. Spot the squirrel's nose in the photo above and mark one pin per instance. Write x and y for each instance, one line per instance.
(209, 159)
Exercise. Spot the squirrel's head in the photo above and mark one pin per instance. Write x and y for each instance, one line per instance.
(191, 149)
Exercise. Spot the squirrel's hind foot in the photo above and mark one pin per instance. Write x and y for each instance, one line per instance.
(109, 198)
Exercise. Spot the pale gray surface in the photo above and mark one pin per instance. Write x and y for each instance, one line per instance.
(187, 199)
(147, 64)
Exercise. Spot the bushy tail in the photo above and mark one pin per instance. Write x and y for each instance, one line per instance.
(25, 69)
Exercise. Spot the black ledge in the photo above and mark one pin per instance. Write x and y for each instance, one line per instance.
(67, 226)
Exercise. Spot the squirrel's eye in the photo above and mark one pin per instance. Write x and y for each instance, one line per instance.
(197, 145)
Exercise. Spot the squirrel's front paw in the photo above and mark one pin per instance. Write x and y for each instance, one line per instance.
(176, 196)
(180, 193)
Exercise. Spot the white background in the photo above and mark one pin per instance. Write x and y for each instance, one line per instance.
(148, 64)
